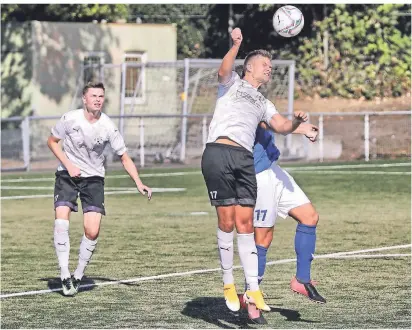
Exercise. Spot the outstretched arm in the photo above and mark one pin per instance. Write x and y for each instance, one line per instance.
(309, 130)
(226, 67)
(284, 126)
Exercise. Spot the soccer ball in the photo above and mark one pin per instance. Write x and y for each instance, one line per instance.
(288, 21)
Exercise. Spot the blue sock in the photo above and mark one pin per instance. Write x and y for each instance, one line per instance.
(261, 261)
(305, 241)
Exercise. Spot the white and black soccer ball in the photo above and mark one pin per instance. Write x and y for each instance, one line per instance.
(288, 21)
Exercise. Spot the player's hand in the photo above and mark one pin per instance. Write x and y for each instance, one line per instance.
(74, 171)
(301, 116)
(312, 132)
(237, 36)
(145, 189)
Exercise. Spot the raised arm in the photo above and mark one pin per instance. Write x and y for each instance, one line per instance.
(226, 67)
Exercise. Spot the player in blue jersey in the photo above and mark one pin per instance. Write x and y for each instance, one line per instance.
(279, 194)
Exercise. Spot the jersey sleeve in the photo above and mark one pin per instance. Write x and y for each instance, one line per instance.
(223, 88)
(116, 141)
(59, 130)
(270, 111)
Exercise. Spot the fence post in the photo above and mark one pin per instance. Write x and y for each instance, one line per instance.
(321, 138)
(141, 142)
(122, 96)
(25, 135)
(306, 143)
(184, 111)
(291, 90)
(366, 134)
(204, 131)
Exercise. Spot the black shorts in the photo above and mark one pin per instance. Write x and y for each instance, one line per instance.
(229, 173)
(90, 190)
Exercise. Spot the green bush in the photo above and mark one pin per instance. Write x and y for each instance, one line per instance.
(368, 56)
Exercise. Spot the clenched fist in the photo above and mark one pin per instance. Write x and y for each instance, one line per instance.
(237, 36)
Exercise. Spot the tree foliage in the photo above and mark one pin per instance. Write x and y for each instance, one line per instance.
(368, 55)
(63, 12)
(368, 45)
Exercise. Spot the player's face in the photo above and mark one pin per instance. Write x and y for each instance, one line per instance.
(262, 69)
(94, 99)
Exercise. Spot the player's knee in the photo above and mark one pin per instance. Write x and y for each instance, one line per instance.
(268, 239)
(312, 218)
(91, 234)
(62, 212)
(263, 236)
(244, 226)
(227, 224)
(265, 241)
(226, 227)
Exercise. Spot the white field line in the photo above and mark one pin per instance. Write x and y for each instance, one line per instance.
(130, 191)
(350, 172)
(200, 271)
(149, 175)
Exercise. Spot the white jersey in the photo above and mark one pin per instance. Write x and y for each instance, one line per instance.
(239, 109)
(84, 142)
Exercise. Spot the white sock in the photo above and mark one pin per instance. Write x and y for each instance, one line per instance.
(62, 246)
(225, 246)
(87, 247)
(249, 259)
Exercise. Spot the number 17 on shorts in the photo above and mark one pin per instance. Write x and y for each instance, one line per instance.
(260, 215)
(213, 194)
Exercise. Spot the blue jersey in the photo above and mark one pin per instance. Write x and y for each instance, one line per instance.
(265, 151)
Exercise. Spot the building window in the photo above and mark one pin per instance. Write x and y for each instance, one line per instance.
(93, 67)
(135, 77)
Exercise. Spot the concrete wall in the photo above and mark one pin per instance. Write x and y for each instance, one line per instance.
(59, 50)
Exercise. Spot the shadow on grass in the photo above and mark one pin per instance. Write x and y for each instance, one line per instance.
(213, 310)
(290, 315)
(87, 284)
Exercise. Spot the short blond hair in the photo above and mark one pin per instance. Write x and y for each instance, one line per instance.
(91, 84)
(253, 53)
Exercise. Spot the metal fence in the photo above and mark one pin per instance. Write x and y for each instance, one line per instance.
(342, 136)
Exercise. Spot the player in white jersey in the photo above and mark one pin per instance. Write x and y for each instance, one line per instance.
(85, 133)
(227, 163)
